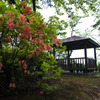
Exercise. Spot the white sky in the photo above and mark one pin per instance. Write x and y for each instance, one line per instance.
(86, 23)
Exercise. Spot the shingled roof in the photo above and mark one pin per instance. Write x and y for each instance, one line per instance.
(73, 38)
(77, 42)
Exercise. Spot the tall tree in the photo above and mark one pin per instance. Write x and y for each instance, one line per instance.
(96, 14)
(73, 22)
(67, 5)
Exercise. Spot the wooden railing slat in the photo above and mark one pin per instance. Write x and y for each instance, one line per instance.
(76, 63)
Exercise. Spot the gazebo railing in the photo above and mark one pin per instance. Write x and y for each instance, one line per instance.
(77, 64)
(91, 63)
(63, 63)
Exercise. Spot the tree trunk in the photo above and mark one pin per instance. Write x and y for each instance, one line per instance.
(72, 32)
(34, 5)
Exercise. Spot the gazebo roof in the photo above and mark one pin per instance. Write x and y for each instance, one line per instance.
(77, 42)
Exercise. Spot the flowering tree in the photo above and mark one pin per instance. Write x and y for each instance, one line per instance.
(24, 43)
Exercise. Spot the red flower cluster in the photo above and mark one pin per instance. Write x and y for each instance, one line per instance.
(22, 18)
(10, 14)
(58, 41)
(1, 19)
(35, 52)
(42, 48)
(22, 65)
(26, 32)
(10, 24)
(12, 85)
(17, 24)
(37, 40)
(26, 71)
(48, 47)
(29, 31)
(30, 21)
(23, 3)
(41, 92)
(24, 36)
(28, 10)
(31, 41)
(1, 65)
(8, 39)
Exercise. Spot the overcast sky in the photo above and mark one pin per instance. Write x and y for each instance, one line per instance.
(86, 23)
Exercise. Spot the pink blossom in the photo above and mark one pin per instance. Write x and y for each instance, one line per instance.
(27, 30)
(31, 41)
(23, 3)
(12, 85)
(17, 24)
(8, 39)
(34, 35)
(25, 25)
(19, 62)
(48, 47)
(57, 40)
(30, 21)
(1, 19)
(35, 52)
(41, 92)
(37, 40)
(1, 65)
(25, 71)
(34, 19)
(42, 47)
(23, 63)
(10, 24)
(10, 14)
(23, 36)
(22, 18)
(28, 10)
(29, 55)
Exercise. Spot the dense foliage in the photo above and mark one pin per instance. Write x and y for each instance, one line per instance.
(25, 49)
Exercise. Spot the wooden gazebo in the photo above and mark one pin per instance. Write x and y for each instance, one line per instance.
(84, 64)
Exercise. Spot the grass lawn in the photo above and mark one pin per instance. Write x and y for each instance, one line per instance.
(70, 87)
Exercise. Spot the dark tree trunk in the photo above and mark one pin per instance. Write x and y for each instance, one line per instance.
(11, 1)
(34, 5)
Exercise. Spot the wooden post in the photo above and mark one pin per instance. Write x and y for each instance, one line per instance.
(68, 60)
(95, 58)
(85, 51)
